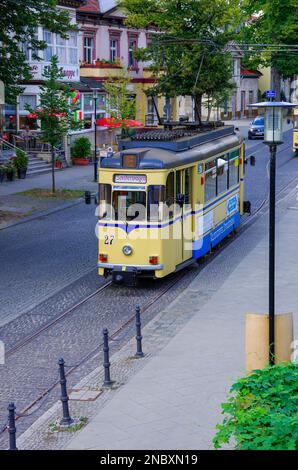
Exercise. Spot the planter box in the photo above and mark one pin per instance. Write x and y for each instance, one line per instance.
(10, 176)
(22, 173)
(80, 161)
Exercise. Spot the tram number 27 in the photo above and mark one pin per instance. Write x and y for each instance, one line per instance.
(109, 239)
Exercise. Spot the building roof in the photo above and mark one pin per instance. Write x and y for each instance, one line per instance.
(98, 6)
(72, 3)
(92, 6)
(250, 73)
(92, 83)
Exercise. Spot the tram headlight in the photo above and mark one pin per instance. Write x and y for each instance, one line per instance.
(127, 250)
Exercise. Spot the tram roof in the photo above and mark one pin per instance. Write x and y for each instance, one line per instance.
(155, 158)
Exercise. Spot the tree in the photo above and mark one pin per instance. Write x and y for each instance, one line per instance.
(120, 103)
(272, 22)
(189, 54)
(18, 23)
(56, 112)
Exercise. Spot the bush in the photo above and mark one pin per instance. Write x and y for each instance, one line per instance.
(10, 168)
(81, 148)
(262, 410)
(21, 160)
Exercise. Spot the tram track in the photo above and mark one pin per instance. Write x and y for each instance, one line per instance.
(23, 342)
(94, 352)
(54, 321)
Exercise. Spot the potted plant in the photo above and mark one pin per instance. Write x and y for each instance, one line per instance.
(10, 171)
(58, 162)
(2, 173)
(99, 62)
(20, 162)
(81, 151)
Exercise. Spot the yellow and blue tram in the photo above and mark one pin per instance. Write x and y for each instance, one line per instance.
(166, 199)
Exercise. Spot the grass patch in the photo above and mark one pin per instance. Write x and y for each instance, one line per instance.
(78, 424)
(43, 193)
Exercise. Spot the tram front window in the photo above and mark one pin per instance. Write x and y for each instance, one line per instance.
(156, 199)
(129, 205)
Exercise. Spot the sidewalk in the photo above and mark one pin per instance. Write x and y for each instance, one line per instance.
(194, 353)
(75, 177)
(16, 207)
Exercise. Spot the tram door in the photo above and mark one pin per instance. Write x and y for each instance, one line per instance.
(183, 188)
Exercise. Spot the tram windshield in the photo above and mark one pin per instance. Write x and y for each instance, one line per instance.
(129, 205)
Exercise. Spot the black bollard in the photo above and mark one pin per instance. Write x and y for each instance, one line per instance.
(66, 420)
(106, 358)
(12, 426)
(87, 197)
(139, 336)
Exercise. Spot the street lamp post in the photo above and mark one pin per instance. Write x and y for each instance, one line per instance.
(273, 136)
(95, 98)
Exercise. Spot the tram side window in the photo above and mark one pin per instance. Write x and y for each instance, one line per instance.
(104, 201)
(187, 186)
(233, 168)
(170, 193)
(210, 180)
(156, 197)
(222, 173)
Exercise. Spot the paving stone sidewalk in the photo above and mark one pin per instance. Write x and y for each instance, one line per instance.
(15, 207)
(195, 351)
(75, 177)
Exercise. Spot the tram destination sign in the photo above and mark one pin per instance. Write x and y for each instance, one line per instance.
(138, 179)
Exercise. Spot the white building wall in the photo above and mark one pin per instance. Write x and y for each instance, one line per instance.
(71, 71)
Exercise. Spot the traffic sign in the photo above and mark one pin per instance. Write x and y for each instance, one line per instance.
(271, 94)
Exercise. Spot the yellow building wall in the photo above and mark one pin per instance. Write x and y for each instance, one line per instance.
(138, 88)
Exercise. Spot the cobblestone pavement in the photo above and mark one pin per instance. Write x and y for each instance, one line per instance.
(41, 257)
(32, 255)
(136, 412)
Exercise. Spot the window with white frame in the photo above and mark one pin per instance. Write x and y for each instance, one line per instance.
(24, 121)
(61, 49)
(29, 100)
(101, 106)
(27, 50)
(86, 105)
(132, 47)
(73, 48)
(48, 53)
(65, 49)
(88, 49)
(114, 49)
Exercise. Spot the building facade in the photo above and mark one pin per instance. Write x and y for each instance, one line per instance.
(16, 117)
(107, 47)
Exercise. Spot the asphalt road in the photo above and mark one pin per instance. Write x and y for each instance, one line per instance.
(48, 265)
